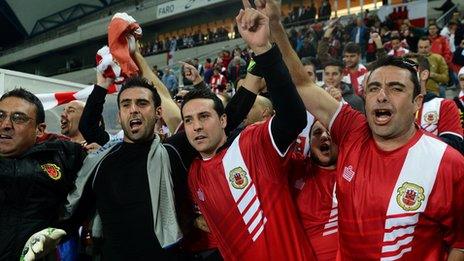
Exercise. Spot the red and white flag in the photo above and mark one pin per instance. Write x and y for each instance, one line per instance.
(51, 100)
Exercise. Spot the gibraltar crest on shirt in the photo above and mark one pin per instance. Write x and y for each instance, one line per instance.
(238, 178)
(431, 117)
(52, 170)
(410, 196)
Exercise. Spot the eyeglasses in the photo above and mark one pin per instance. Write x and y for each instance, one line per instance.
(15, 117)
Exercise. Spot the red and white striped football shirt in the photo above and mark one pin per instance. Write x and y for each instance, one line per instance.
(404, 204)
(314, 195)
(244, 195)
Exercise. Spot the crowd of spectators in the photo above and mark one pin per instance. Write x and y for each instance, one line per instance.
(252, 133)
(185, 41)
(395, 36)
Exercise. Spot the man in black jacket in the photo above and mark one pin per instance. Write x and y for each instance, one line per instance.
(34, 178)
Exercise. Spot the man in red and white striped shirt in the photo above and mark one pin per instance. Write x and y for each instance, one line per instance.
(354, 71)
(218, 81)
(399, 190)
(240, 183)
(313, 184)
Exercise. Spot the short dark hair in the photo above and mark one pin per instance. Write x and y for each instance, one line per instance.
(140, 82)
(204, 93)
(403, 63)
(29, 97)
(333, 62)
(352, 48)
(425, 38)
(306, 61)
(395, 37)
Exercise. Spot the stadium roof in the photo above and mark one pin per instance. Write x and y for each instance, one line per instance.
(21, 19)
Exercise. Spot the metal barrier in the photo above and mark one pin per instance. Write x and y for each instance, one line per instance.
(445, 18)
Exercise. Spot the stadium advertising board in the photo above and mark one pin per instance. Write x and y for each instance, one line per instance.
(181, 6)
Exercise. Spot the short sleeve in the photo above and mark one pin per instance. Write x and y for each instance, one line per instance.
(449, 122)
(258, 146)
(348, 125)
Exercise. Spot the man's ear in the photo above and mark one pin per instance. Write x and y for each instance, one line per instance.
(424, 75)
(223, 120)
(158, 112)
(40, 129)
(418, 100)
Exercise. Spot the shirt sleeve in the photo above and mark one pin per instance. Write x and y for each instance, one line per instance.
(347, 125)
(238, 108)
(458, 212)
(89, 124)
(257, 142)
(290, 112)
(449, 119)
(452, 185)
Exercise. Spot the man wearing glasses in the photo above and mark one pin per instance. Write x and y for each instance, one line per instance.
(399, 189)
(34, 179)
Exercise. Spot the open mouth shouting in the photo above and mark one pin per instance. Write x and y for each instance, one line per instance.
(64, 123)
(325, 147)
(4, 137)
(382, 116)
(135, 125)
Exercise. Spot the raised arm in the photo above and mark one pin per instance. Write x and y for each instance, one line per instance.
(242, 102)
(323, 46)
(89, 124)
(290, 116)
(171, 113)
(317, 101)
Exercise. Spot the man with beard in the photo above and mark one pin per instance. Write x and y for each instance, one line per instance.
(398, 189)
(138, 185)
(354, 71)
(313, 183)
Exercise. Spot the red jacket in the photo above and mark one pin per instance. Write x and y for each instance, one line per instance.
(440, 45)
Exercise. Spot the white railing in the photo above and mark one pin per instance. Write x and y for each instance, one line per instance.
(445, 18)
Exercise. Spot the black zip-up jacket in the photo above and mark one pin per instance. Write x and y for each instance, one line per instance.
(33, 189)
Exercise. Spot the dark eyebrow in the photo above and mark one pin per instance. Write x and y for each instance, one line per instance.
(389, 84)
(204, 112)
(14, 112)
(376, 84)
(125, 100)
